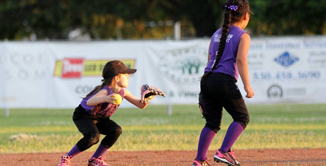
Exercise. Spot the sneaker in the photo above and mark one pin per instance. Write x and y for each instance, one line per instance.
(200, 163)
(232, 155)
(65, 161)
(227, 158)
(97, 162)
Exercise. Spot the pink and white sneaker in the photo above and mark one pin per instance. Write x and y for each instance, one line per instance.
(97, 162)
(65, 161)
(227, 158)
(232, 155)
(200, 163)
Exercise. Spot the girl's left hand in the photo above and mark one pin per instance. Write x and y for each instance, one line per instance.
(250, 92)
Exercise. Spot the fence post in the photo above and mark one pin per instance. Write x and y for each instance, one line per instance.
(6, 112)
(177, 30)
(170, 108)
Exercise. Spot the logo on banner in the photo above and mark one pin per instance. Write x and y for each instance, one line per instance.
(183, 65)
(72, 67)
(79, 67)
(286, 59)
(275, 91)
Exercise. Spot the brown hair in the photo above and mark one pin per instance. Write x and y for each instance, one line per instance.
(110, 70)
(105, 82)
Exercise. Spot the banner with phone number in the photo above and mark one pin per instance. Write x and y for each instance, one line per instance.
(59, 74)
(288, 69)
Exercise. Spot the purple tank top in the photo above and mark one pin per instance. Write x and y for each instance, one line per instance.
(227, 63)
(104, 109)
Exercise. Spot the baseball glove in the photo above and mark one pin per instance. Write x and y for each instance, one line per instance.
(149, 92)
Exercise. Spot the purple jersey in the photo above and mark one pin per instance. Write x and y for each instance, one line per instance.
(104, 109)
(227, 63)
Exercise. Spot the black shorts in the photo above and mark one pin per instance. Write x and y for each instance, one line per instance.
(220, 91)
(92, 126)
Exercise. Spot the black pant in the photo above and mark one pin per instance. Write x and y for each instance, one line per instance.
(217, 91)
(92, 126)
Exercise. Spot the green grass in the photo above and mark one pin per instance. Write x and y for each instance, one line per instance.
(271, 126)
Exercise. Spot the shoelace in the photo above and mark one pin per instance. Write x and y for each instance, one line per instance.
(65, 159)
(100, 160)
(232, 155)
(206, 163)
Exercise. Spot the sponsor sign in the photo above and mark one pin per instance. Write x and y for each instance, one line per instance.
(72, 67)
(79, 67)
(287, 70)
(286, 59)
(184, 66)
(281, 70)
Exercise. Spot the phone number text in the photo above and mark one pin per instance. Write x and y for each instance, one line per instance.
(286, 76)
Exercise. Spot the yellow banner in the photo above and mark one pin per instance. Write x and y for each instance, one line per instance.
(91, 67)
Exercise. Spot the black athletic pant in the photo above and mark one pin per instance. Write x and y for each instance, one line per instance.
(220, 91)
(92, 126)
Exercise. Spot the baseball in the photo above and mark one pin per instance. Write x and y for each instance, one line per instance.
(117, 99)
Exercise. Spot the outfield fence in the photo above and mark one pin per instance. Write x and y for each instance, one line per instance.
(58, 74)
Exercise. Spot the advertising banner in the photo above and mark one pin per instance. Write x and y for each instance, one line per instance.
(288, 70)
(60, 74)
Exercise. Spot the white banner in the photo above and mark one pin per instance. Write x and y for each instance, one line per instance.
(288, 70)
(59, 74)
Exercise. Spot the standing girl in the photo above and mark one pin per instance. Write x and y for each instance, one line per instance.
(227, 59)
(92, 116)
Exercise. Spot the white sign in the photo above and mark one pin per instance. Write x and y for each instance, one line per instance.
(288, 70)
(59, 74)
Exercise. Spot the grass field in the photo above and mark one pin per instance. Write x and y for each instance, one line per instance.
(271, 127)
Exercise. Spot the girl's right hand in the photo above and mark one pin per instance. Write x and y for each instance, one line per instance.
(250, 91)
(110, 98)
(98, 98)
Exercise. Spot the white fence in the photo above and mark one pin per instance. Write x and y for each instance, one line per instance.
(59, 74)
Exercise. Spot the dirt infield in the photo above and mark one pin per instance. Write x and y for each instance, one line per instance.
(295, 157)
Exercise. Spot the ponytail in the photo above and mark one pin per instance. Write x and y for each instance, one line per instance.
(96, 89)
(105, 82)
(221, 46)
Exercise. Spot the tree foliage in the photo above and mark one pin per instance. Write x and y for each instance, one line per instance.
(152, 19)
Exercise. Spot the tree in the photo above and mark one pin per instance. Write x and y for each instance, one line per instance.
(152, 19)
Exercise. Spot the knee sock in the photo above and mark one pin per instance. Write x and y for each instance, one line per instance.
(73, 152)
(100, 151)
(205, 140)
(234, 131)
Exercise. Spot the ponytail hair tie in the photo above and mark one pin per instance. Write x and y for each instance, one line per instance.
(230, 7)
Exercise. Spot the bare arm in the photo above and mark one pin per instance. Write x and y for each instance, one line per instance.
(242, 63)
(100, 97)
(134, 100)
